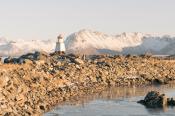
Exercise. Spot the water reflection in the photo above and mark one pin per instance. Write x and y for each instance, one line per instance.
(114, 101)
(122, 92)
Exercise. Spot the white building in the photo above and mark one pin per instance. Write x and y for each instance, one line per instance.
(60, 47)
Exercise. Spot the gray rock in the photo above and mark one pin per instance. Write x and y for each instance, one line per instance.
(29, 56)
(12, 60)
(8, 60)
(171, 101)
(36, 56)
(154, 99)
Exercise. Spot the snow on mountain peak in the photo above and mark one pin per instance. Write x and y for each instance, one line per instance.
(92, 42)
(20, 47)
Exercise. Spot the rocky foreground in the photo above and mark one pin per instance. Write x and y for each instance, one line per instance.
(34, 83)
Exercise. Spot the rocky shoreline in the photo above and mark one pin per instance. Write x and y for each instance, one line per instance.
(34, 83)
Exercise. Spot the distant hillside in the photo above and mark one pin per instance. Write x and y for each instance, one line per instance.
(91, 42)
(19, 47)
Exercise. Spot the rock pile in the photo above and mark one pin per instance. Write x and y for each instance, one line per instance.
(30, 56)
(154, 99)
(43, 81)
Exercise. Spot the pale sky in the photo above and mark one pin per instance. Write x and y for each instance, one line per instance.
(45, 19)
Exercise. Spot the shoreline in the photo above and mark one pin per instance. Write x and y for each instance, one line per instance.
(112, 93)
(36, 86)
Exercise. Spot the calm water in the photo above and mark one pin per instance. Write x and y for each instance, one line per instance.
(115, 102)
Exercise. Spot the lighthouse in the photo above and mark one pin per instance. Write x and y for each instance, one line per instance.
(60, 47)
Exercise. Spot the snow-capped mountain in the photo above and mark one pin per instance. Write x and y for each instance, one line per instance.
(2, 40)
(19, 47)
(92, 42)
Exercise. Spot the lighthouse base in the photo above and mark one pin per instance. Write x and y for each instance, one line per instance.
(58, 53)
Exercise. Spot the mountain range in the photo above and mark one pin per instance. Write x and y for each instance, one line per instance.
(93, 42)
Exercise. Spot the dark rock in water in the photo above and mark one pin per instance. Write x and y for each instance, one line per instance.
(154, 99)
(171, 101)
(141, 102)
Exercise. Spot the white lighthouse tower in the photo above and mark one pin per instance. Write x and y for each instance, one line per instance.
(60, 47)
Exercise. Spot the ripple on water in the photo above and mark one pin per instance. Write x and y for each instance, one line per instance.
(120, 101)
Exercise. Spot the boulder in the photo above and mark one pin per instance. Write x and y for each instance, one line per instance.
(78, 61)
(154, 99)
(171, 101)
(14, 60)
(8, 60)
